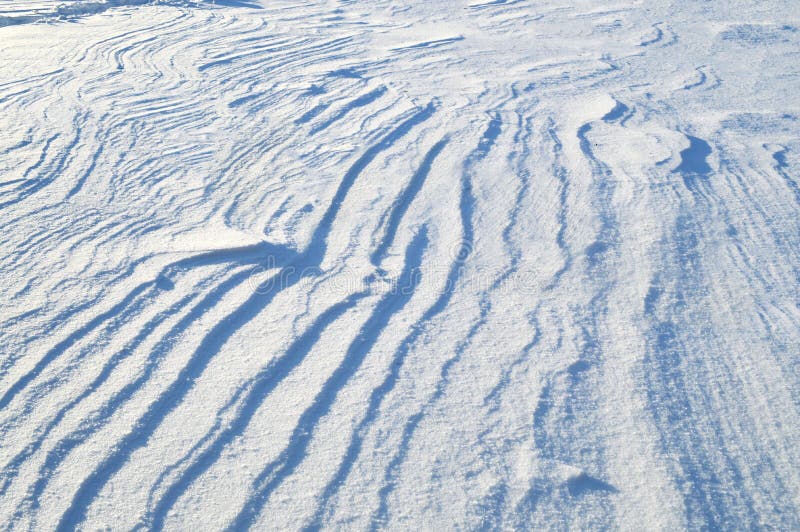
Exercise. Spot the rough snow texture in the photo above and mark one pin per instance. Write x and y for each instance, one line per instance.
(420, 265)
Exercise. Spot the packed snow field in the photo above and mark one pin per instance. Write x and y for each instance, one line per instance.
(503, 264)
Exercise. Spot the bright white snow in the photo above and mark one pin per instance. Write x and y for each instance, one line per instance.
(407, 265)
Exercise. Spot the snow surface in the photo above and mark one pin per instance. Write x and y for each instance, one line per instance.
(407, 265)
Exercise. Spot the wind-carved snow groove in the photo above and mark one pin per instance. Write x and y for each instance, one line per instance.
(63, 317)
(731, 220)
(659, 36)
(521, 139)
(51, 170)
(680, 398)
(269, 378)
(561, 441)
(514, 251)
(492, 399)
(211, 445)
(249, 255)
(95, 421)
(561, 175)
(396, 213)
(430, 44)
(90, 425)
(11, 469)
(669, 393)
(493, 504)
(702, 81)
(466, 207)
(403, 202)
(292, 270)
(361, 101)
(782, 167)
(278, 470)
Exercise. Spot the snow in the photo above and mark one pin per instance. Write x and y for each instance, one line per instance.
(464, 265)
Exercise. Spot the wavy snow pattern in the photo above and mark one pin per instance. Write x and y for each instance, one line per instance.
(398, 265)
